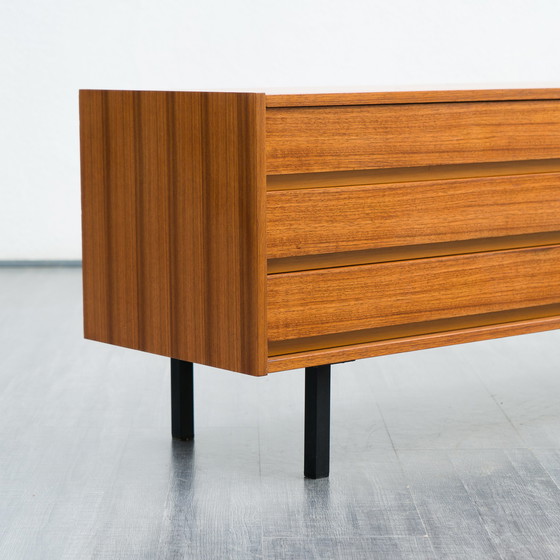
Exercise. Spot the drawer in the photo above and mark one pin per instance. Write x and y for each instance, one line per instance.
(306, 221)
(315, 139)
(322, 302)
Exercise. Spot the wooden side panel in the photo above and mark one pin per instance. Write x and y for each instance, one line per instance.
(315, 139)
(321, 302)
(173, 190)
(326, 220)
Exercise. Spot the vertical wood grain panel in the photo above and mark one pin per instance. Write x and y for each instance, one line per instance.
(187, 229)
(153, 186)
(174, 205)
(95, 276)
(121, 174)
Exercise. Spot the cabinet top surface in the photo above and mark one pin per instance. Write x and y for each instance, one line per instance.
(310, 98)
(396, 97)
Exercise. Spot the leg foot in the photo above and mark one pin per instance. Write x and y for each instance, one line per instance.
(317, 421)
(182, 400)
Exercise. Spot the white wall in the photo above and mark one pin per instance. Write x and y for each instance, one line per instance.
(51, 48)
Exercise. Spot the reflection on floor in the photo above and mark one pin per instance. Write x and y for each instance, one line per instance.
(450, 453)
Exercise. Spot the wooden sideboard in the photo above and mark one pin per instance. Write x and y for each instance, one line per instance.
(259, 233)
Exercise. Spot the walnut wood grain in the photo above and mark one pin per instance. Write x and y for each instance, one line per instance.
(409, 344)
(303, 99)
(174, 242)
(328, 220)
(318, 139)
(321, 302)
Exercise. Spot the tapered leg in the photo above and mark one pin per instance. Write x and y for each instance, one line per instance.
(182, 400)
(317, 421)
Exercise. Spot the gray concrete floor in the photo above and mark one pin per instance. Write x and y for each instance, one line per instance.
(450, 453)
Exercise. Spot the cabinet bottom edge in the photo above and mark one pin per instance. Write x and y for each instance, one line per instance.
(407, 343)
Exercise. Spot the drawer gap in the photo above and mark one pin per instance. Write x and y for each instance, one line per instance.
(282, 347)
(409, 174)
(409, 343)
(388, 254)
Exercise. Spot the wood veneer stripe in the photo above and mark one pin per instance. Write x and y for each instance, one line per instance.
(408, 344)
(121, 200)
(153, 240)
(94, 217)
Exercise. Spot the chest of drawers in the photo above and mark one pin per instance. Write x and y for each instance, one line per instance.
(259, 233)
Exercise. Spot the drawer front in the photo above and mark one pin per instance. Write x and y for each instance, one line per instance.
(327, 220)
(313, 139)
(345, 299)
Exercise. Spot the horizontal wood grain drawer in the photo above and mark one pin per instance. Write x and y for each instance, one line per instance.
(353, 218)
(322, 302)
(315, 139)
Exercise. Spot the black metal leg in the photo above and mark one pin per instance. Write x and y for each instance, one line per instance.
(317, 421)
(182, 399)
